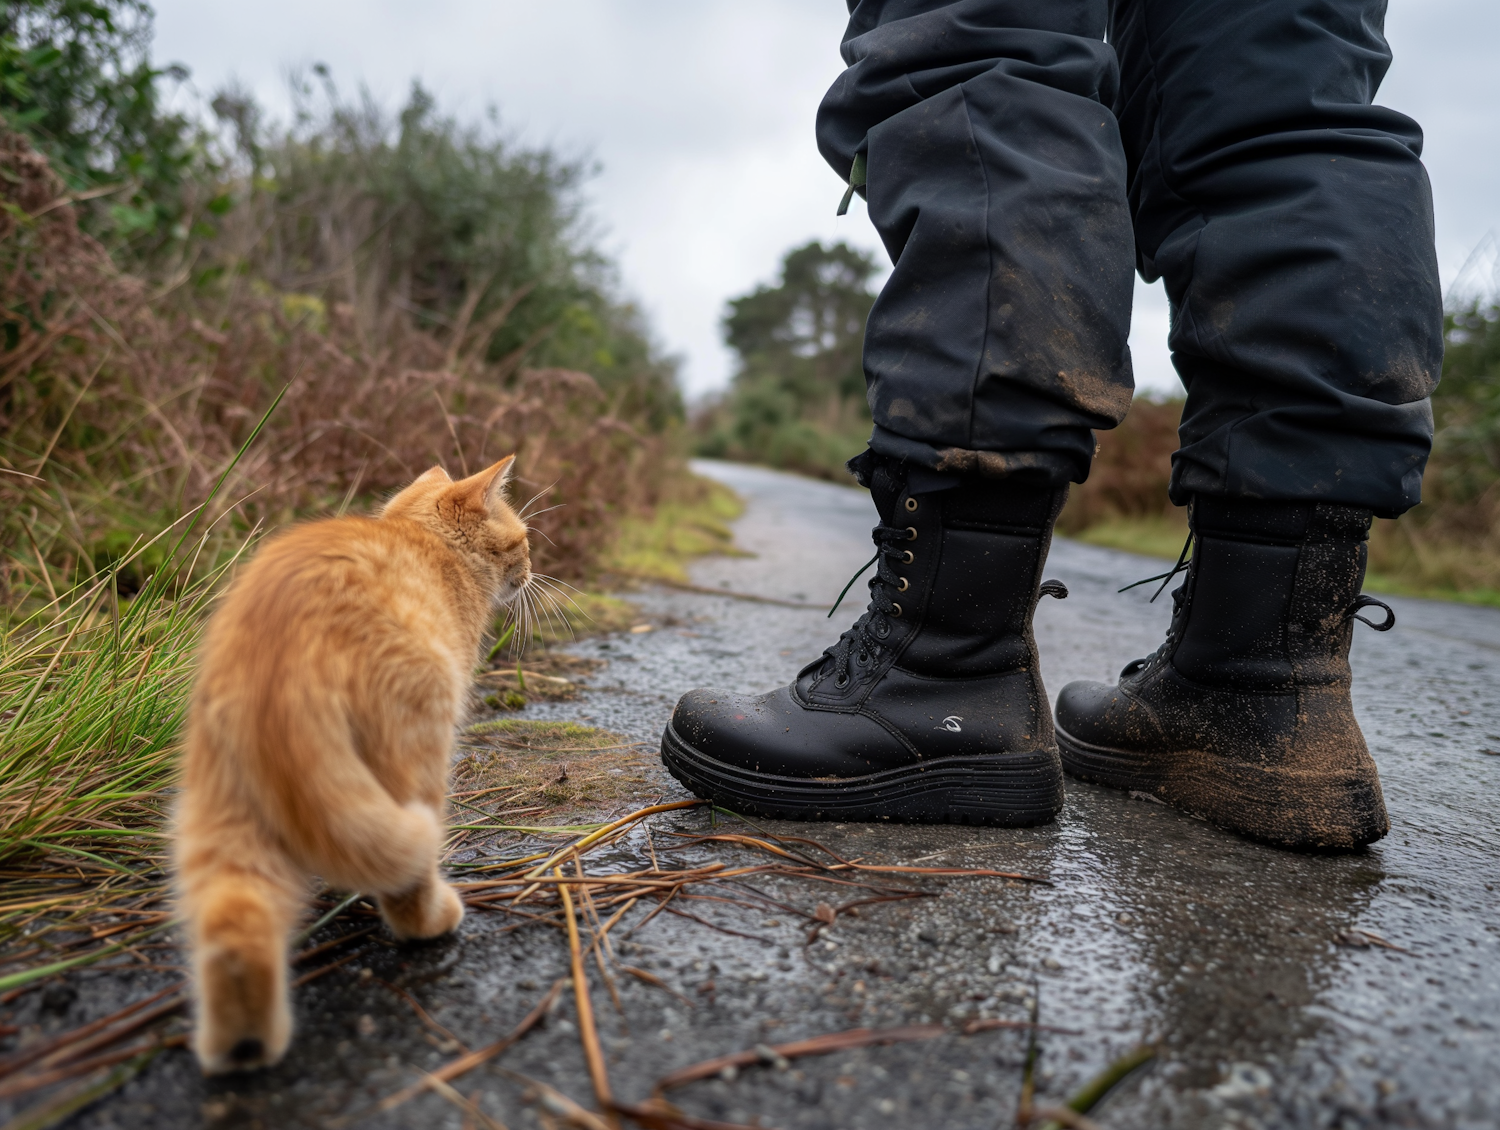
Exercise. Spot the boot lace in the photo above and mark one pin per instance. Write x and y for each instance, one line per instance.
(863, 643)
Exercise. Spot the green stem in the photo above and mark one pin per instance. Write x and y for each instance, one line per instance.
(1099, 1086)
(349, 901)
(73, 1100)
(27, 976)
(500, 643)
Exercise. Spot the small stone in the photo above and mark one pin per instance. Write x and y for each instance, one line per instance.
(1051, 963)
(729, 1073)
(366, 1026)
(886, 1106)
(58, 997)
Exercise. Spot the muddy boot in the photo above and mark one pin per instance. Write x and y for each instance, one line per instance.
(1243, 716)
(931, 707)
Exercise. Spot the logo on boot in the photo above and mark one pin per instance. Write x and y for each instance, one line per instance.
(951, 724)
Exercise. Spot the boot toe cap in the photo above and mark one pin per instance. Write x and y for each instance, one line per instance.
(1103, 714)
(774, 734)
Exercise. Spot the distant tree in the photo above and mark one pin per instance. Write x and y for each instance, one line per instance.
(1466, 405)
(798, 397)
(806, 335)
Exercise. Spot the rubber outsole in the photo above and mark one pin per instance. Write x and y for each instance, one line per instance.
(1014, 790)
(1330, 815)
(1117, 769)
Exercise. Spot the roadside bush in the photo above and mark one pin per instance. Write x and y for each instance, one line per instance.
(120, 409)
(1131, 470)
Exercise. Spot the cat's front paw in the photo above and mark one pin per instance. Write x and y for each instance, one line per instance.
(428, 911)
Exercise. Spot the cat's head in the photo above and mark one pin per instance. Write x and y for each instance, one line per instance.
(472, 516)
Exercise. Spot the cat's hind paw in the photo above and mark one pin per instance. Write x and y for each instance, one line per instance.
(428, 911)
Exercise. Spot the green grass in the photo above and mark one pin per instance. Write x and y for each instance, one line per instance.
(100, 688)
(692, 524)
(1153, 537)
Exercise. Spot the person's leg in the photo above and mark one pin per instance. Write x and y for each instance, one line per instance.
(1292, 223)
(995, 176)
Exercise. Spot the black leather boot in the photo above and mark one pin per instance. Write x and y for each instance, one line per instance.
(931, 707)
(1243, 715)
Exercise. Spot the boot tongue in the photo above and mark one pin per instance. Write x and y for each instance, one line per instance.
(886, 480)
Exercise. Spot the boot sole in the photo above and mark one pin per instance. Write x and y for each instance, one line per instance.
(1335, 815)
(1013, 790)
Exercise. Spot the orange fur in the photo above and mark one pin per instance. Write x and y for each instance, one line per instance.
(320, 735)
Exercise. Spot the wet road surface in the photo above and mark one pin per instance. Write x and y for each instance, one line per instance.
(1242, 963)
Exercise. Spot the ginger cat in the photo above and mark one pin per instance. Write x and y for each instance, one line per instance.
(321, 729)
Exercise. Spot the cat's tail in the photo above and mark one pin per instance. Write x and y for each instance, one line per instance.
(240, 898)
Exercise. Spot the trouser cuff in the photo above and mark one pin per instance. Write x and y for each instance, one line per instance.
(1052, 467)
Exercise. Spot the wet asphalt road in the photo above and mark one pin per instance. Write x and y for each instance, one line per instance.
(1231, 956)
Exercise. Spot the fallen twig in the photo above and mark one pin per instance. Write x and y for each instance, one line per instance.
(1361, 939)
(75, 1098)
(588, 1035)
(818, 1045)
(658, 1114)
(652, 979)
(423, 1015)
(976, 1026)
(558, 1103)
(473, 1059)
(65, 1039)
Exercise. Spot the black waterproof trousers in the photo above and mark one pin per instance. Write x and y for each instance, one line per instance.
(1018, 166)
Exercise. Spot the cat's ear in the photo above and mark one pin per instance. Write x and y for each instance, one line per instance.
(434, 476)
(488, 486)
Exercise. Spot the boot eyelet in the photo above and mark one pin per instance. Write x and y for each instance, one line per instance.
(902, 587)
(911, 533)
(895, 609)
(863, 659)
(908, 557)
(911, 505)
(841, 681)
(882, 629)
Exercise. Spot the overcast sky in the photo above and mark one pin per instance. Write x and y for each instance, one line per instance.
(701, 115)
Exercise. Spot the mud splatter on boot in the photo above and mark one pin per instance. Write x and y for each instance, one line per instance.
(1243, 716)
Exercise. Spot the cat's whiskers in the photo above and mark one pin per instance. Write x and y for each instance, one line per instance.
(555, 598)
(545, 603)
(530, 502)
(539, 513)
